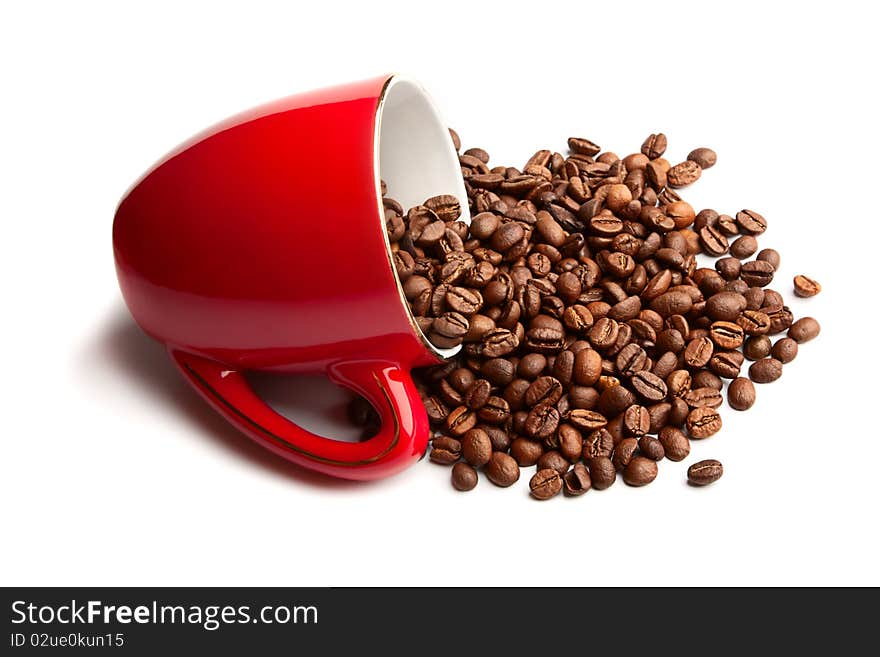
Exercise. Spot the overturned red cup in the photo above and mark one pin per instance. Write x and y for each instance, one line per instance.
(260, 244)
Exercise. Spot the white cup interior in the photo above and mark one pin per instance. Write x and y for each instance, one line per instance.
(416, 158)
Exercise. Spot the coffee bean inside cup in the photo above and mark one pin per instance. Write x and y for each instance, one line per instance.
(591, 333)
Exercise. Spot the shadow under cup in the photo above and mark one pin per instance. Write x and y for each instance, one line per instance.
(260, 245)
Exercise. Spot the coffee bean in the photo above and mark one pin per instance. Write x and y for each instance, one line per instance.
(698, 352)
(725, 306)
(498, 342)
(785, 350)
(545, 484)
(765, 370)
(542, 421)
(445, 206)
(703, 422)
(496, 410)
(678, 383)
(675, 302)
(582, 146)
(478, 394)
(705, 472)
(636, 420)
(713, 241)
(624, 452)
(651, 448)
(757, 273)
(554, 461)
(650, 386)
(640, 471)
(750, 222)
(703, 397)
(445, 450)
(753, 322)
(705, 157)
(602, 472)
(631, 359)
(770, 256)
(806, 287)
(727, 335)
(706, 379)
(675, 443)
(545, 390)
(654, 146)
(598, 443)
(744, 247)
(502, 470)
(576, 481)
(726, 364)
(460, 421)
(757, 347)
(464, 477)
(804, 330)
(741, 394)
(683, 174)
(476, 448)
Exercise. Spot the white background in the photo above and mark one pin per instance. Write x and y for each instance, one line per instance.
(115, 473)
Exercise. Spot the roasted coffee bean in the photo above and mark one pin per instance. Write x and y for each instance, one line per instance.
(445, 450)
(678, 383)
(757, 347)
(744, 247)
(673, 302)
(526, 452)
(640, 471)
(804, 330)
(729, 268)
(654, 146)
(703, 422)
(705, 472)
(785, 350)
(750, 222)
(698, 352)
(765, 370)
(544, 390)
(476, 447)
(587, 367)
(683, 174)
(576, 481)
(541, 421)
(496, 410)
(463, 300)
(651, 448)
(545, 484)
(806, 287)
(706, 379)
(781, 318)
(727, 335)
(498, 342)
(676, 445)
(624, 452)
(725, 306)
(602, 472)
(713, 241)
(705, 157)
(460, 421)
(570, 442)
(464, 477)
(636, 420)
(703, 397)
(757, 273)
(753, 322)
(649, 386)
(770, 256)
(502, 470)
(554, 461)
(478, 394)
(598, 443)
(726, 364)
(741, 394)
(631, 359)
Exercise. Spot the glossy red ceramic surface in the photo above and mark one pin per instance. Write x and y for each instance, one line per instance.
(260, 245)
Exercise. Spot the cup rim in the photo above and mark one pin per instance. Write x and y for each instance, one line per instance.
(395, 78)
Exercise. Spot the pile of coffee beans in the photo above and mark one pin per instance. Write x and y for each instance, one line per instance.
(592, 342)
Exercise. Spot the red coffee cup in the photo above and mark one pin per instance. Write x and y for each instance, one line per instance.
(261, 244)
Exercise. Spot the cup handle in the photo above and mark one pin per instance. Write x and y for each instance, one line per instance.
(402, 439)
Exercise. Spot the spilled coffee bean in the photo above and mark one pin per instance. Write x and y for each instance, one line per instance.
(587, 340)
